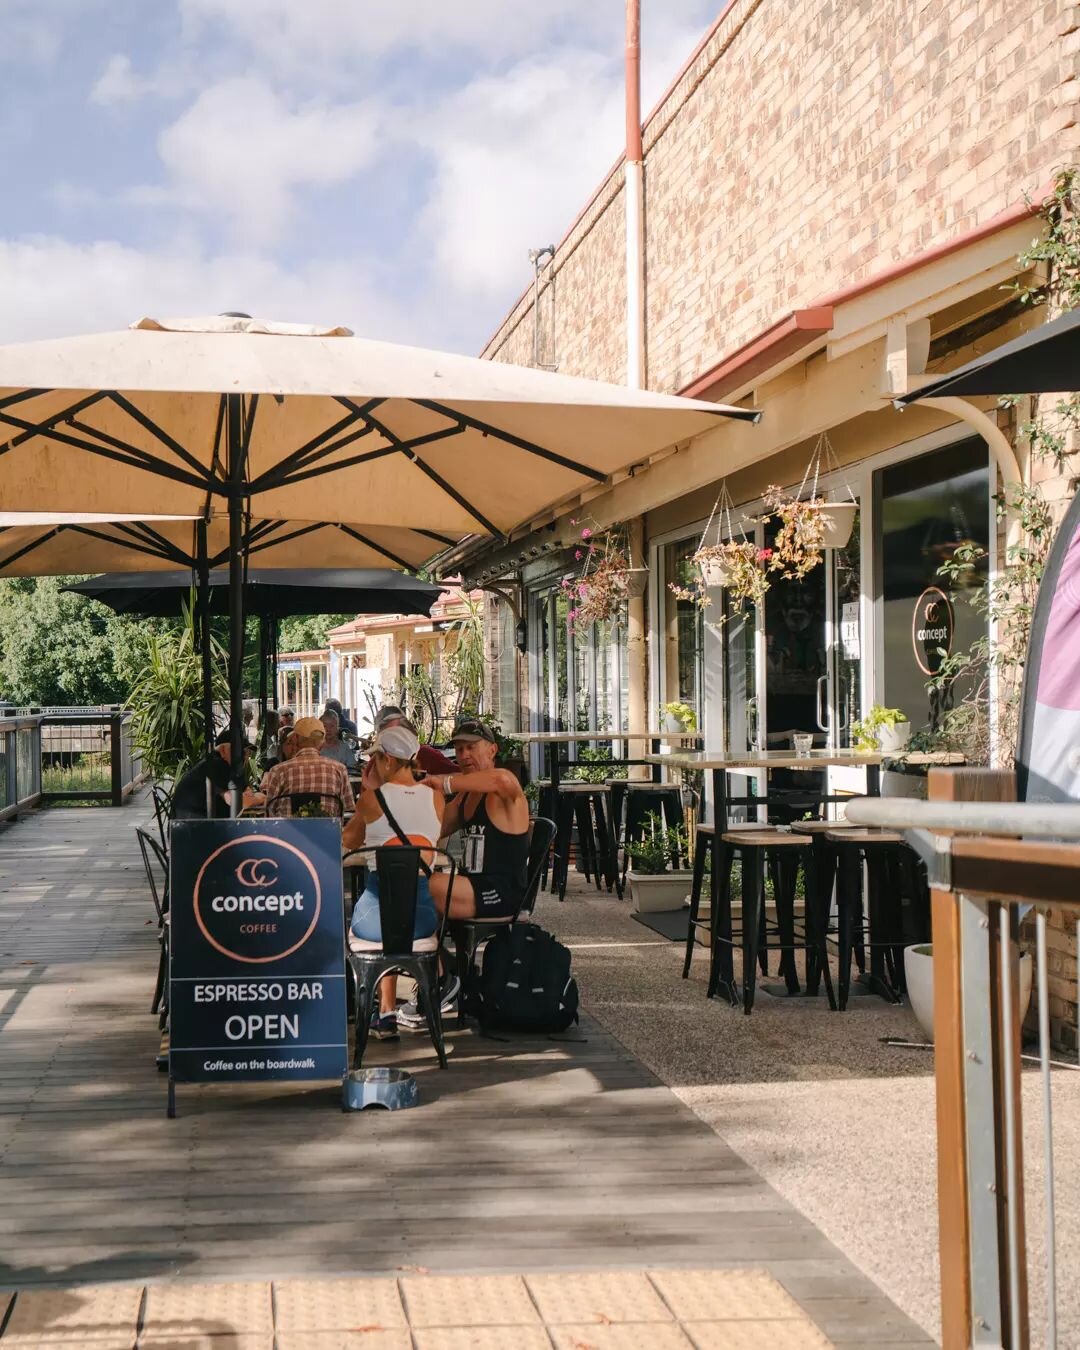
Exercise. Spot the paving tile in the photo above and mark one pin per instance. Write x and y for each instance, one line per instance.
(621, 1336)
(468, 1301)
(208, 1310)
(482, 1338)
(226, 1341)
(600, 1297)
(91, 1314)
(718, 1295)
(337, 1305)
(788, 1334)
(396, 1339)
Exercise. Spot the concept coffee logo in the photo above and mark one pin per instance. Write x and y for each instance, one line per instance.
(932, 627)
(257, 899)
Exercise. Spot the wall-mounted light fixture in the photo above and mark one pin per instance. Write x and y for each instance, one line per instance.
(521, 635)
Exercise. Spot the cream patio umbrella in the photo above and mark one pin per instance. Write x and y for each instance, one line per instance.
(231, 416)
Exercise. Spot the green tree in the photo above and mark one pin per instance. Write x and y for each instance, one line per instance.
(58, 648)
(308, 632)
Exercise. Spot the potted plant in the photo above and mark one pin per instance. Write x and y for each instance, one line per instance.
(732, 562)
(884, 729)
(607, 579)
(678, 717)
(655, 884)
(809, 523)
(919, 978)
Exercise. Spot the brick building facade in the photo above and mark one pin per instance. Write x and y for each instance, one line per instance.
(836, 196)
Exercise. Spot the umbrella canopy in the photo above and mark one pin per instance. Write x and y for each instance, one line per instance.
(1043, 361)
(34, 547)
(313, 424)
(269, 593)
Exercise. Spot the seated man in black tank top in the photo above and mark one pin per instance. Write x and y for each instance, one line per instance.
(488, 806)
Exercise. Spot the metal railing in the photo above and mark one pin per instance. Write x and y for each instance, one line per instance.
(990, 858)
(78, 755)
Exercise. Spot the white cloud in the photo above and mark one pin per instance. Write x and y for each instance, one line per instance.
(50, 287)
(240, 151)
(119, 82)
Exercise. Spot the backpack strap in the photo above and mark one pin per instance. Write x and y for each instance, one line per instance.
(424, 867)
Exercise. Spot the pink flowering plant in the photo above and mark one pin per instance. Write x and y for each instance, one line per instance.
(599, 591)
(733, 562)
(801, 536)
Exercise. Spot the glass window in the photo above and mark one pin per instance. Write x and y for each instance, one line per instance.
(683, 653)
(928, 507)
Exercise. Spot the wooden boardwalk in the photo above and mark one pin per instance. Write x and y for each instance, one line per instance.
(525, 1156)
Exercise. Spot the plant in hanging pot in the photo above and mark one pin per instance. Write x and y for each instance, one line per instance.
(734, 563)
(809, 523)
(655, 883)
(606, 581)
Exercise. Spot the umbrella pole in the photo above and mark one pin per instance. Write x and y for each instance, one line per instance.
(234, 421)
(274, 628)
(202, 620)
(264, 661)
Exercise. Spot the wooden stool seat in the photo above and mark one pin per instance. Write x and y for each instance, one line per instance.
(584, 787)
(634, 786)
(707, 830)
(763, 839)
(854, 834)
(820, 826)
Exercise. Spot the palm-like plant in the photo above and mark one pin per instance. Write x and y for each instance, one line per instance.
(466, 662)
(166, 699)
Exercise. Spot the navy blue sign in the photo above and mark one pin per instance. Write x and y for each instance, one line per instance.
(257, 951)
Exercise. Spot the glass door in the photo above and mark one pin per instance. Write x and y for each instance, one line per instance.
(839, 687)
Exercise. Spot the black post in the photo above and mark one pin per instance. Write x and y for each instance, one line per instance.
(264, 661)
(275, 625)
(202, 619)
(234, 418)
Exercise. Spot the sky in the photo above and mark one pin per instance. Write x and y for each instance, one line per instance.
(383, 164)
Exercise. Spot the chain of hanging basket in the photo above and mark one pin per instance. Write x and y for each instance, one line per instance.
(832, 465)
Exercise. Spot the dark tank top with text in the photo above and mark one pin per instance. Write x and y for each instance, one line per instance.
(498, 855)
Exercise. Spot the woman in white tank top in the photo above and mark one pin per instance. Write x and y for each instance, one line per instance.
(418, 812)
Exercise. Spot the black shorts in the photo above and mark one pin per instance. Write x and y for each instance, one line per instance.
(496, 896)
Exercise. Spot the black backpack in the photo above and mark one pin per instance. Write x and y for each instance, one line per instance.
(525, 982)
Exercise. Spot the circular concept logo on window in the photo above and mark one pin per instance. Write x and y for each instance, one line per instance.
(257, 899)
(932, 629)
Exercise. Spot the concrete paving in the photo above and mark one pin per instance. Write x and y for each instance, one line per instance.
(841, 1125)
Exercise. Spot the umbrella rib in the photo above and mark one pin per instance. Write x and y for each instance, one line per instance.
(434, 475)
(134, 546)
(21, 396)
(277, 475)
(29, 548)
(159, 434)
(377, 548)
(39, 428)
(284, 539)
(132, 457)
(510, 439)
(143, 458)
(439, 538)
(140, 530)
(322, 469)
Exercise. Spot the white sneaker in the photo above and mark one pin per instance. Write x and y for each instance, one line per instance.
(410, 1018)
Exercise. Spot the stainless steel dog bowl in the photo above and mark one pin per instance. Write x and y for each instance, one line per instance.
(393, 1089)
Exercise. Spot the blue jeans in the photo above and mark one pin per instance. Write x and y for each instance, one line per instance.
(365, 919)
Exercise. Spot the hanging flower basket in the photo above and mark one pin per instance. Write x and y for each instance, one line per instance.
(733, 563)
(839, 522)
(809, 525)
(607, 580)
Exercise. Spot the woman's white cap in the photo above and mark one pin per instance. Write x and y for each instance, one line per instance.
(399, 742)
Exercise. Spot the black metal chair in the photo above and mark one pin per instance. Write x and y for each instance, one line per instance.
(470, 934)
(588, 805)
(162, 800)
(301, 801)
(154, 855)
(398, 952)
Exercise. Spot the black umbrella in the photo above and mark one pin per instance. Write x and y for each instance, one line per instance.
(269, 593)
(1043, 361)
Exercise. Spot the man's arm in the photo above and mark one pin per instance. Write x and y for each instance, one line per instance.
(499, 781)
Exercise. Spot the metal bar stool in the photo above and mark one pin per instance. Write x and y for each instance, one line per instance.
(755, 847)
(642, 800)
(820, 879)
(703, 856)
(880, 927)
(589, 805)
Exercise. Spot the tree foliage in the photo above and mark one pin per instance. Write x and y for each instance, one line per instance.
(58, 648)
(307, 632)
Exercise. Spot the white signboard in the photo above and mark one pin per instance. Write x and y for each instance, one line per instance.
(849, 630)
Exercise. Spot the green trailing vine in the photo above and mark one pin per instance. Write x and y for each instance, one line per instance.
(1006, 600)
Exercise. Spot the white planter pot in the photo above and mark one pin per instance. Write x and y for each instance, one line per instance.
(662, 891)
(919, 974)
(841, 521)
(714, 573)
(637, 581)
(892, 739)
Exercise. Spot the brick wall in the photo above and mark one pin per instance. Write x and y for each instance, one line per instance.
(810, 144)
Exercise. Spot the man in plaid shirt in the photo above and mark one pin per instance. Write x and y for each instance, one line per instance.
(307, 772)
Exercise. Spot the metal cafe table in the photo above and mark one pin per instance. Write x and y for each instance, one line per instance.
(718, 764)
(551, 740)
